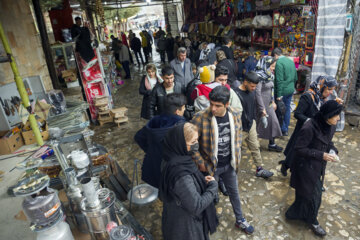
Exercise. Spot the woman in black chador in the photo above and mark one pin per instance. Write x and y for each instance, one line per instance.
(309, 104)
(188, 196)
(313, 149)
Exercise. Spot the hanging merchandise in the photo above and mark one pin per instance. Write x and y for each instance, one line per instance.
(100, 11)
(93, 81)
(329, 39)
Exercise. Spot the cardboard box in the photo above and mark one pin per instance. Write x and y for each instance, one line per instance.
(10, 144)
(28, 134)
(69, 75)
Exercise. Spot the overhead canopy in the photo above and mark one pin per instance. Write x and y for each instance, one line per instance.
(109, 4)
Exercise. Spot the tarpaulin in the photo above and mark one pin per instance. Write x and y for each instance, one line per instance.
(331, 22)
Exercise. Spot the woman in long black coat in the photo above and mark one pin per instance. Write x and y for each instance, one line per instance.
(188, 196)
(147, 83)
(309, 104)
(313, 149)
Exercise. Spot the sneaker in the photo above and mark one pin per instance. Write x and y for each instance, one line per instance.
(244, 226)
(285, 133)
(264, 173)
(275, 148)
(318, 230)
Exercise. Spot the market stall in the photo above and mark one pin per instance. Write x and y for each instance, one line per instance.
(262, 25)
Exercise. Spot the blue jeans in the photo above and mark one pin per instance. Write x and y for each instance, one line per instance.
(229, 177)
(286, 123)
(126, 67)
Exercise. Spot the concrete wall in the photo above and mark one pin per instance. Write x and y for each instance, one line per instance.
(20, 29)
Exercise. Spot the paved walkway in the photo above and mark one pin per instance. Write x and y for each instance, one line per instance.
(264, 202)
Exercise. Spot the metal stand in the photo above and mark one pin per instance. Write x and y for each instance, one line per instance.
(132, 183)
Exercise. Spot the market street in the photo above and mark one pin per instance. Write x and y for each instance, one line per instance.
(264, 202)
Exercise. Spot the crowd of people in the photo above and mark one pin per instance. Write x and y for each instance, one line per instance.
(204, 106)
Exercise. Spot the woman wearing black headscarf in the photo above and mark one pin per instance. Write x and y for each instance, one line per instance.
(309, 104)
(314, 148)
(188, 210)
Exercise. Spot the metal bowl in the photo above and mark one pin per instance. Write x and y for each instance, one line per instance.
(143, 194)
(31, 185)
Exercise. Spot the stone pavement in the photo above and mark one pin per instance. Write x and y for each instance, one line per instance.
(264, 202)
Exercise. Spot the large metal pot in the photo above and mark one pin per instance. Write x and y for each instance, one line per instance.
(98, 217)
(43, 208)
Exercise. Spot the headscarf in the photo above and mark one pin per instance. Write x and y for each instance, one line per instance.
(220, 55)
(147, 78)
(178, 163)
(328, 110)
(205, 52)
(263, 69)
(318, 86)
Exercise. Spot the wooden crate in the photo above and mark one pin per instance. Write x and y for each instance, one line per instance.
(120, 120)
(119, 112)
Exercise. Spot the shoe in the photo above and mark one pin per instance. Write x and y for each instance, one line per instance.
(275, 148)
(244, 226)
(216, 198)
(223, 189)
(264, 173)
(283, 170)
(318, 230)
(323, 189)
(285, 133)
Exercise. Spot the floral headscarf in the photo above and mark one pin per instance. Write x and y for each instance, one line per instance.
(318, 86)
(263, 69)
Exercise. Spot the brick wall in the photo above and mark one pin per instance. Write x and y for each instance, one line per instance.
(25, 43)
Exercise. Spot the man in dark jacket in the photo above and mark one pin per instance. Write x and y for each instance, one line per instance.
(82, 37)
(115, 47)
(162, 48)
(170, 47)
(227, 48)
(158, 94)
(284, 84)
(150, 137)
(246, 93)
(135, 45)
(222, 61)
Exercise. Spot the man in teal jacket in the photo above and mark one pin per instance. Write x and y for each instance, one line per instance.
(284, 84)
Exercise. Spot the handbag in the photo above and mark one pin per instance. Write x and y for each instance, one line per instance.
(280, 110)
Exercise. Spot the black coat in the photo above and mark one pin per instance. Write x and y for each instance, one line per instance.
(231, 66)
(228, 52)
(149, 139)
(145, 106)
(170, 44)
(157, 98)
(305, 109)
(308, 166)
(135, 44)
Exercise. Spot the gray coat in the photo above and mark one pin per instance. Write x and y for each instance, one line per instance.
(263, 101)
(181, 77)
(182, 219)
